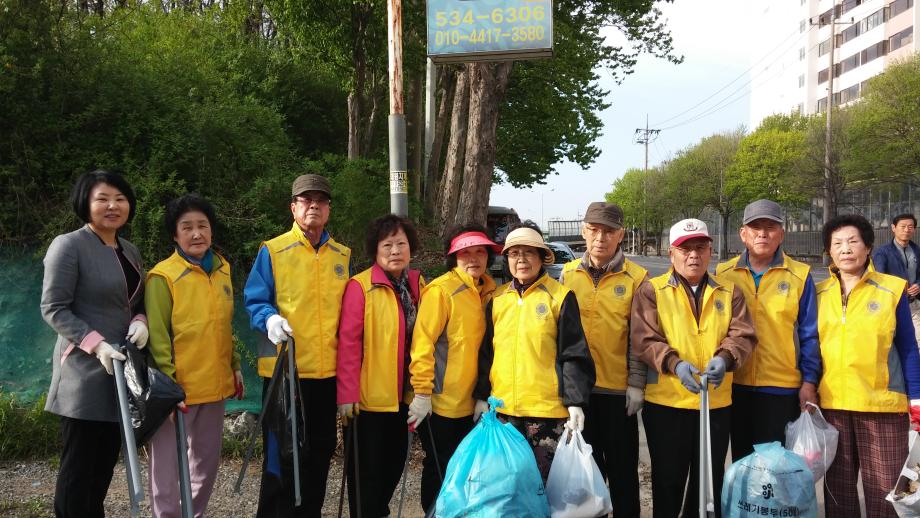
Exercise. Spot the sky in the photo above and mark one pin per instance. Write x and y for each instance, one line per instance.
(710, 34)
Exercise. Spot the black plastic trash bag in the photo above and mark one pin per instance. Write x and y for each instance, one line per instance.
(152, 395)
(278, 415)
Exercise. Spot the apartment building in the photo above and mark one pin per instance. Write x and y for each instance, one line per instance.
(792, 48)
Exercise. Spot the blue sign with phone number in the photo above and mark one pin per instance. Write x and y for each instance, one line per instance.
(475, 30)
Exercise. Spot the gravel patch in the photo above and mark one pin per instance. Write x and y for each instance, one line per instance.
(27, 489)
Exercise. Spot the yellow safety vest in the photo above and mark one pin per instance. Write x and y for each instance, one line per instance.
(774, 308)
(862, 369)
(380, 354)
(523, 371)
(446, 340)
(202, 337)
(309, 284)
(605, 313)
(695, 343)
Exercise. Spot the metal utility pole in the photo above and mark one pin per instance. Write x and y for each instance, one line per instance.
(644, 136)
(399, 181)
(431, 86)
(830, 203)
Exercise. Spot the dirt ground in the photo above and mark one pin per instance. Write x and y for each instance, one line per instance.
(27, 489)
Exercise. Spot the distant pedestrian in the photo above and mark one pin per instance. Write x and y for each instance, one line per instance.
(901, 258)
(604, 282)
(783, 372)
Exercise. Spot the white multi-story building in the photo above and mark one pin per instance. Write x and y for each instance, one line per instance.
(792, 43)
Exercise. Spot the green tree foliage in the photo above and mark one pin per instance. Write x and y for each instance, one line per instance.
(884, 132)
(549, 114)
(771, 162)
(179, 101)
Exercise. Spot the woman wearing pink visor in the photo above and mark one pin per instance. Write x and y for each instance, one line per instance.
(445, 348)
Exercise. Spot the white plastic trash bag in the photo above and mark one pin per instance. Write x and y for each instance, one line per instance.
(905, 496)
(814, 439)
(575, 487)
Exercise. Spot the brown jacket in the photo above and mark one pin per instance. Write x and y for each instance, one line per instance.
(650, 345)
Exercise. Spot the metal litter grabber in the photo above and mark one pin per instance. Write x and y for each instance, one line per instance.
(293, 388)
(351, 436)
(185, 479)
(706, 501)
(402, 491)
(132, 466)
(430, 513)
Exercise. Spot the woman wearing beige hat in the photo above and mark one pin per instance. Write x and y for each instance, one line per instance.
(534, 356)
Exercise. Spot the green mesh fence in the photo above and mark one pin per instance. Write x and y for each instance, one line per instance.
(27, 343)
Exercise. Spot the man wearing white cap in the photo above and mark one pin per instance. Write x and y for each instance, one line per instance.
(686, 323)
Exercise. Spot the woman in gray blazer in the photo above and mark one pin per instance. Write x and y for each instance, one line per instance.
(92, 296)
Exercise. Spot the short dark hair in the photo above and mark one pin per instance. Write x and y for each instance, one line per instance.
(177, 207)
(897, 219)
(848, 220)
(450, 260)
(83, 187)
(385, 226)
(528, 223)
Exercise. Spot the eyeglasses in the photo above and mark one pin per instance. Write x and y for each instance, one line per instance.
(518, 255)
(310, 200)
(685, 250)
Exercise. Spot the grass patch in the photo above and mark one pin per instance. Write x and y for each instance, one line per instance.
(26, 430)
(34, 507)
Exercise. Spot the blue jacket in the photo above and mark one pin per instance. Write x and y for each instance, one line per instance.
(889, 259)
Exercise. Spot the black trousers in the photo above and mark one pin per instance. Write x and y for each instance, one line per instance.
(758, 418)
(447, 433)
(614, 437)
(673, 445)
(90, 452)
(382, 447)
(276, 494)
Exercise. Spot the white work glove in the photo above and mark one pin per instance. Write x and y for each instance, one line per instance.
(348, 410)
(138, 333)
(480, 408)
(634, 399)
(278, 329)
(419, 410)
(106, 353)
(576, 420)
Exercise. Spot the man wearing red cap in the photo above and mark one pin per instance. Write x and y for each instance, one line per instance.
(686, 323)
(445, 348)
(604, 282)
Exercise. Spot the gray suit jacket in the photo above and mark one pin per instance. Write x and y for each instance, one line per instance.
(84, 290)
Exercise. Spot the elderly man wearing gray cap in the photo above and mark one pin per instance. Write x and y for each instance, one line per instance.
(783, 372)
(686, 323)
(295, 291)
(604, 281)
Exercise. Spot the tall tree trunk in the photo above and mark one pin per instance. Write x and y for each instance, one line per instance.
(367, 141)
(447, 82)
(453, 165)
(359, 12)
(488, 84)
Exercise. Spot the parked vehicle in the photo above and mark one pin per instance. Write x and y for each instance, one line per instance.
(563, 255)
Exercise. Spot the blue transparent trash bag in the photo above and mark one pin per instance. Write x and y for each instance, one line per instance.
(493, 473)
(772, 481)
